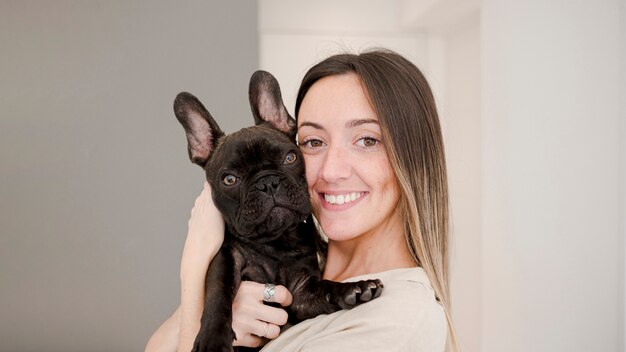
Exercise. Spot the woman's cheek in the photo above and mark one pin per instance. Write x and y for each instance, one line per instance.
(310, 174)
(310, 171)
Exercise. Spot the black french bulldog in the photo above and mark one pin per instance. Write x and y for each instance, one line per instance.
(258, 183)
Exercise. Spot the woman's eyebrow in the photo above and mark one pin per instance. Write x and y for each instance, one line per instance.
(355, 123)
(349, 124)
(311, 124)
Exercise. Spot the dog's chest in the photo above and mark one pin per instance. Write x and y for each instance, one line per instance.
(277, 268)
(255, 266)
(265, 270)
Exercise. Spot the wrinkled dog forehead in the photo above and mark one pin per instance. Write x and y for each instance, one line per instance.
(251, 149)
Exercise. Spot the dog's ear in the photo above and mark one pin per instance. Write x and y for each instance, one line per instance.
(201, 129)
(267, 103)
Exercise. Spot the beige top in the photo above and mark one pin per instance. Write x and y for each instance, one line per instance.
(406, 317)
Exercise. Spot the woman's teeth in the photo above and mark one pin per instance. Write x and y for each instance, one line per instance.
(342, 198)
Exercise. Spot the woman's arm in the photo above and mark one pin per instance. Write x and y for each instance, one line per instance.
(204, 239)
(251, 318)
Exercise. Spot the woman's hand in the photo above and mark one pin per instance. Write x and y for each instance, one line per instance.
(253, 321)
(204, 239)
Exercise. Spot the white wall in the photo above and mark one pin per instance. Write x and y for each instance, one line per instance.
(461, 125)
(294, 35)
(553, 175)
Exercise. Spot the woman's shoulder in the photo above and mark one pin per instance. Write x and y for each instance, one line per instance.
(407, 296)
(408, 282)
(406, 317)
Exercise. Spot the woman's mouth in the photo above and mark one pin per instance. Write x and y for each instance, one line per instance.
(341, 199)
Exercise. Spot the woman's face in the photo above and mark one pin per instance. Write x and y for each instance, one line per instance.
(352, 187)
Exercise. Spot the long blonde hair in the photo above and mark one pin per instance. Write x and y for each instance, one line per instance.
(404, 104)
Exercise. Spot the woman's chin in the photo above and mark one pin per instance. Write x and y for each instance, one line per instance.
(339, 231)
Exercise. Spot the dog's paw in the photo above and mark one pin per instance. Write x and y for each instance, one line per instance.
(355, 293)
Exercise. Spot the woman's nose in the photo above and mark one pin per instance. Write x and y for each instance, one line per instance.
(336, 165)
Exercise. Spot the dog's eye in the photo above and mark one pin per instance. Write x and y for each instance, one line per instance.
(230, 180)
(290, 158)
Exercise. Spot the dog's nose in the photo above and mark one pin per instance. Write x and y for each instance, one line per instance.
(268, 184)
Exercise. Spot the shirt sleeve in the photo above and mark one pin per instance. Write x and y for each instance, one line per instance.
(420, 326)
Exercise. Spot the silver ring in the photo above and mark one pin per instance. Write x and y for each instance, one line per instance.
(268, 292)
(264, 329)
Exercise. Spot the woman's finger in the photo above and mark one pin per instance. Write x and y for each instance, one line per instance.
(274, 293)
(266, 330)
(272, 315)
(272, 331)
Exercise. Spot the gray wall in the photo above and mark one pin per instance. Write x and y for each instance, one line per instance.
(95, 184)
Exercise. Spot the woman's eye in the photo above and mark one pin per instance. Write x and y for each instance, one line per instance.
(367, 142)
(313, 143)
(290, 158)
(230, 180)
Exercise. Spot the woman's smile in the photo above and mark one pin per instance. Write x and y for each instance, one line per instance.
(339, 200)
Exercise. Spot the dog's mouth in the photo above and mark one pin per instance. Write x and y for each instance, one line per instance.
(272, 205)
(277, 221)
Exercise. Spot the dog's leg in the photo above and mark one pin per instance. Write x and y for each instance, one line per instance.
(216, 333)
(313, 296)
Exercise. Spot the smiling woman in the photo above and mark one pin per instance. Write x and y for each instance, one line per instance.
(375, 167)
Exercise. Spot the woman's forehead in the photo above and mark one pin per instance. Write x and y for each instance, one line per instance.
(338, 99)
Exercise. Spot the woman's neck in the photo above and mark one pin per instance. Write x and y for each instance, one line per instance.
(376, 251)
